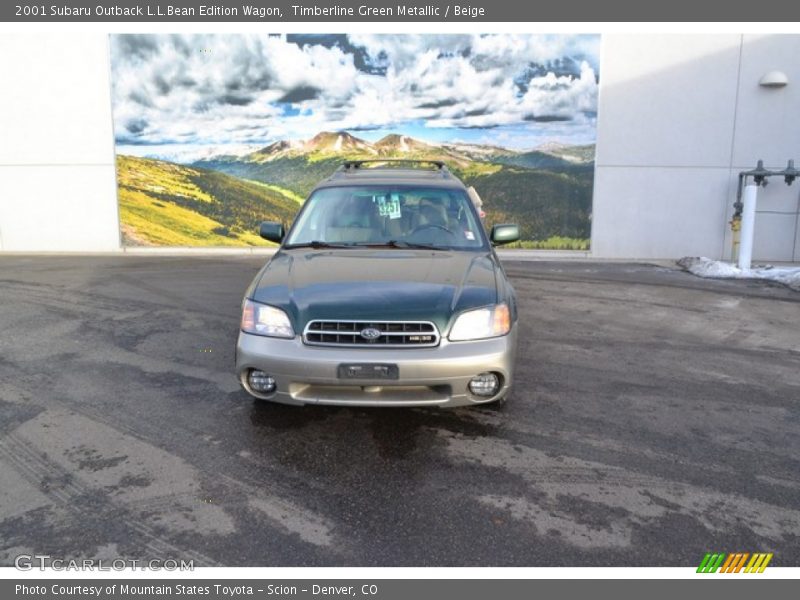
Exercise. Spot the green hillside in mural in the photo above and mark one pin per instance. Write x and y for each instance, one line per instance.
(548, 192)
(166, 204)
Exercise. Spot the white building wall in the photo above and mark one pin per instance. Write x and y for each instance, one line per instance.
(57, 184)
(679, 117)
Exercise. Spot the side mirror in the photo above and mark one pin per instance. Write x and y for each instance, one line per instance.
(272, 231)
(504, 234)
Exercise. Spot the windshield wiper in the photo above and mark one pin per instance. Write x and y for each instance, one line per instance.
(400, 244)
(317, 244)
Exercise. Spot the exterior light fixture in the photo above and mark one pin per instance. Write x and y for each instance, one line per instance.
(774, 79)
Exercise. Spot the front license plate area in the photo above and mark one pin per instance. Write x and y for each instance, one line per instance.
(368, 371)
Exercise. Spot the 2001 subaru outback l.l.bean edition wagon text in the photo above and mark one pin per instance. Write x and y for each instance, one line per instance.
(385, 292)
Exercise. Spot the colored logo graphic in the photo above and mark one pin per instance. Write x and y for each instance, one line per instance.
(735, 563)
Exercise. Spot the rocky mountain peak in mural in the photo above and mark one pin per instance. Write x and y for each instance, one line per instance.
(325, 142)
(396, 143)
(336, 142)
(279, 147)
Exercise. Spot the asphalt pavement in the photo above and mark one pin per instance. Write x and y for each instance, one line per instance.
(656, 417)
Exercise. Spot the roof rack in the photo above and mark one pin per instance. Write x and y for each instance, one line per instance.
(357, 164)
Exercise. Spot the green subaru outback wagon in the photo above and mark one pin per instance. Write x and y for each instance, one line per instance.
(386, 291)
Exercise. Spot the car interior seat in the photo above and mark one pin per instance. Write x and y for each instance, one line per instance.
(432, 212)
(358, 221)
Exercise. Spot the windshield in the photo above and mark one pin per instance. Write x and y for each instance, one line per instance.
(400, 216)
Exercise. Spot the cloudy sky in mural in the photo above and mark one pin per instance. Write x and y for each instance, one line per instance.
(220, 91)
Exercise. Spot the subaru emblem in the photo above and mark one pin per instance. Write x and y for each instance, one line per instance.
(370, 333)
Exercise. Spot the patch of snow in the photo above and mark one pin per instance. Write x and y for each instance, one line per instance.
(716, 269)
(568, 158)
(551, 147)
(338, 145)
(470, 148)
(403, 145)
(187, 153)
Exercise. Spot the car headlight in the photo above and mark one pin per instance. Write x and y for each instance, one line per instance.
(482, 323)
(261, 319)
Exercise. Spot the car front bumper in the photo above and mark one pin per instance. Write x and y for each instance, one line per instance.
(437, 376)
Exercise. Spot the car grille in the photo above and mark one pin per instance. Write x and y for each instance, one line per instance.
(385, 334)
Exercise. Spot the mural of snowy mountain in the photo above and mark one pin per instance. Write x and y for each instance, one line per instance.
(513, 115)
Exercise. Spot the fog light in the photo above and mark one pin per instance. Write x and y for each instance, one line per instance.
(261, 382)
(485, 384)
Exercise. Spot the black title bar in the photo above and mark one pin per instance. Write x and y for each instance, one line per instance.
(383, 11)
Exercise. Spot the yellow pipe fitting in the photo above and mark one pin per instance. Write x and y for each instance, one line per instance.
(736, 227)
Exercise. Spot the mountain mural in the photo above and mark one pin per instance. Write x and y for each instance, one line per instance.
(215, 132)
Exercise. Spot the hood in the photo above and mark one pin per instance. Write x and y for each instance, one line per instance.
(377, 284)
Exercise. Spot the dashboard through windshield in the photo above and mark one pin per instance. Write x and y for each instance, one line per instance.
(398, 216)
